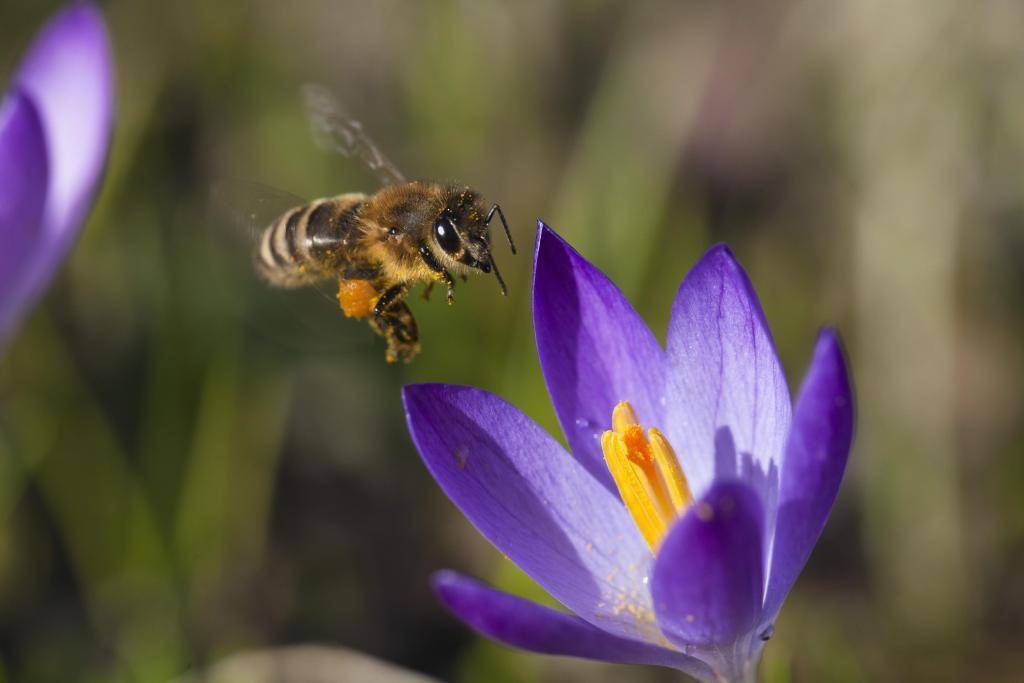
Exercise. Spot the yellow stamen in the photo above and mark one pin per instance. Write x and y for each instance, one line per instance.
(635, 489)
(668, 463)
(623, 416)
(647, 474)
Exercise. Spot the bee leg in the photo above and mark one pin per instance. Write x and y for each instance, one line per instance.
(390, 296)
(426, 292)
(403, 342)
(443, 275)
(398, 327)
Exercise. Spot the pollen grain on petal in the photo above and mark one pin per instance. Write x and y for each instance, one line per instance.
(461, 455)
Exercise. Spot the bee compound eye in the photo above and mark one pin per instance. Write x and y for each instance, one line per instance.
(445, 234)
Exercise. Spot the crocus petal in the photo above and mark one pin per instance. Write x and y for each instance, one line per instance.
(523, 624)
(708, 577)
(812, 466)
(533, 501)
(68, 73)
(594, 349)
(728, 404)
(23, 174)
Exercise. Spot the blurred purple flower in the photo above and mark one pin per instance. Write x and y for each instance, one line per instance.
(55, 127)
(676, 561)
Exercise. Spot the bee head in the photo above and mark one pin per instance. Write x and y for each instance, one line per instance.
(462, 233)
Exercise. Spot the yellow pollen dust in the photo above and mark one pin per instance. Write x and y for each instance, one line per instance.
(647, 473)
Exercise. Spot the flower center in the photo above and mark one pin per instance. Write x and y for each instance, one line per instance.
(647, 473)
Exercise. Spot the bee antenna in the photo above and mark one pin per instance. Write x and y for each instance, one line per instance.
(501, 215)
(497, 274)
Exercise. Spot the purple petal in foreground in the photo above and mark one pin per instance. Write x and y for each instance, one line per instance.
(68, 72)
(520, 623)
(708, 577)
(813, 465)
(594, 349)
(533, 501)
(728, 403)
(23, 175)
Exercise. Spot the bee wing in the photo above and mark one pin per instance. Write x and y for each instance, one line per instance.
(335, 131)
(251, 207)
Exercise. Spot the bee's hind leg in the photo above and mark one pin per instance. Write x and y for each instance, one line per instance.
(393, 320)
(389, 298)
(398, 327)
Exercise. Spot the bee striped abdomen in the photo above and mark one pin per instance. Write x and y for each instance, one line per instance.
(307, 243)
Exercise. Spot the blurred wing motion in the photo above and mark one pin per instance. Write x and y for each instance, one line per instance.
(251, 208)
(334, 130)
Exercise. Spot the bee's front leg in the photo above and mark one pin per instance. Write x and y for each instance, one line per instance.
(443, 275)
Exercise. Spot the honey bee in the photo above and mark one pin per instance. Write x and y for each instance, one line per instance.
(380, 245)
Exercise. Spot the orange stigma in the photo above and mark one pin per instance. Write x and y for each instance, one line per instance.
(647, 473)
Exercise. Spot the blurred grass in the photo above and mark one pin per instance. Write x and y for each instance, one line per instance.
(192, 465)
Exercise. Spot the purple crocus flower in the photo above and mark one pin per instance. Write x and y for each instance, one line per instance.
(674, 547)
(55, 127)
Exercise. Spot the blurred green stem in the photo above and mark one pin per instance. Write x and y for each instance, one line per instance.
(70, 452)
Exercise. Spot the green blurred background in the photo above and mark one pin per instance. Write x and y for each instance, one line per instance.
(193, 465)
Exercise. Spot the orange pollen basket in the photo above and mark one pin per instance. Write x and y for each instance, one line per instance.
(357, 298)
(647, 473)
